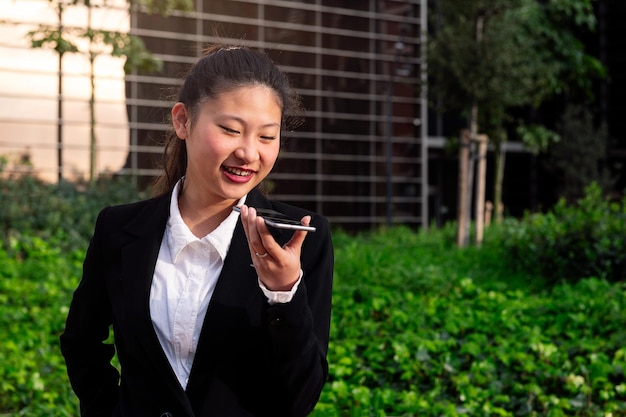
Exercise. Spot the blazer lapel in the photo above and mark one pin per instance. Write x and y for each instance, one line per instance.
(139, 258)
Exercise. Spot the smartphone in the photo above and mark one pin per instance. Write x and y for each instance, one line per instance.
(279, 220)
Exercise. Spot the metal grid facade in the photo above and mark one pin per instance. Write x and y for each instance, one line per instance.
(357, 65)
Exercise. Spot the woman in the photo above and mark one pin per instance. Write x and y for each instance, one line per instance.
(213, 312)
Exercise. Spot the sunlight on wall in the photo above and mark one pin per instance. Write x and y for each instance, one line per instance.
(29, 90)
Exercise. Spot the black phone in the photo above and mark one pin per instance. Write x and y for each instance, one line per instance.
(279, 220)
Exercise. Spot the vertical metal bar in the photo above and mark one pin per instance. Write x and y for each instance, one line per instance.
(373, 108)
(398, 47)
(389, 145)
(134, 116)
(319, 105)
(424, 110)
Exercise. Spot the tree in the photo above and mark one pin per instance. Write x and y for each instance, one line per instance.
(489, 58)
(64, 39)
(577, 160)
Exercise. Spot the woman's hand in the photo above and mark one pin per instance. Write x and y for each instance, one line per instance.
(278, 267)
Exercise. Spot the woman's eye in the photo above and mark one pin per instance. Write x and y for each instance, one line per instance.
(268, 137)
(229, 130)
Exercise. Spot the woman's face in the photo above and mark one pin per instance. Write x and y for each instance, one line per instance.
(232, 143)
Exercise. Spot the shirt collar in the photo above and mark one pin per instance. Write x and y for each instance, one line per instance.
(179, 236)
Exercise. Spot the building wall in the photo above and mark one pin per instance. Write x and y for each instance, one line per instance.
(31, 131)
(357, 66)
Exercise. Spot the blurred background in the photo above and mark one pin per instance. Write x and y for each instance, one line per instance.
(435, 117)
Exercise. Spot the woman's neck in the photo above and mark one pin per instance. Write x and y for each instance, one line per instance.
(202, 216)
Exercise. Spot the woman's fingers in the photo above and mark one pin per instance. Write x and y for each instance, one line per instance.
(276, 266)
(296, 241)
(251, 227)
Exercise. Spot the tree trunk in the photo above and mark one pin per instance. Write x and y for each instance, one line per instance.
(500, 158)
(60, 104)
(463, 203)
(92, 124)
(92, 103)
(471, 168)
(480, 187)
(473, 134)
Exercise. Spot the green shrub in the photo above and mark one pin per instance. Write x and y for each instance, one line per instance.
(65, 212)
(35, 290)
(44, 232)
(586, 239)
(420, 328)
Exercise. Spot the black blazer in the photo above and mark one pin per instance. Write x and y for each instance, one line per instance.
(252, 359)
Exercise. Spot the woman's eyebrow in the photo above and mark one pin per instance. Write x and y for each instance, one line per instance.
(243, 122)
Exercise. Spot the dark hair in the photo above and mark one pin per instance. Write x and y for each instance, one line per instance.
(221, 69)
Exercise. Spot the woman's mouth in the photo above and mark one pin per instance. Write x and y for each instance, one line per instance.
(239, 175)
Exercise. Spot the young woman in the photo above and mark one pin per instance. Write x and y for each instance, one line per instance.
(213, 312)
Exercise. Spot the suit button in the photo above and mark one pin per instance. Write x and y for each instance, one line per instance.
(275, 322)
(167, 414)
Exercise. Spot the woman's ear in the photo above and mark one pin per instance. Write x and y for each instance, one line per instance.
(180, 120)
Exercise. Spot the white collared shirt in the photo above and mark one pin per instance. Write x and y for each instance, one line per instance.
(185, 276)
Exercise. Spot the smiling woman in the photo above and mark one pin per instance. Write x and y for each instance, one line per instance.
(29, 91)
(213, 312)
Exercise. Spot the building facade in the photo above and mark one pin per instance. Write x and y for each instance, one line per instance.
(44, 97)
(361, 157)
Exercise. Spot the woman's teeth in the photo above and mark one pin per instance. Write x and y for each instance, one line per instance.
(239, 172)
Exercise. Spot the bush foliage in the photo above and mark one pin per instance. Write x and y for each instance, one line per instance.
(419, 327)
(65, 212)
(585, 239)
(415, 338)
(36, 282)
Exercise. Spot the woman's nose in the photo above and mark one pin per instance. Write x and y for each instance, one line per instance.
(247, 151)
